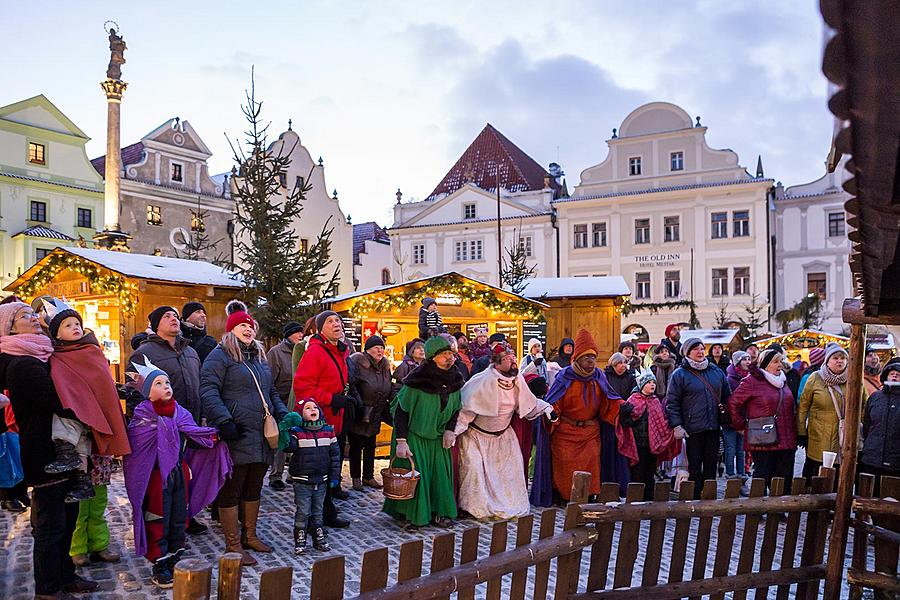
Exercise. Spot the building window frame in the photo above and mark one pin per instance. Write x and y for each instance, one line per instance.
(634, 165)
(719, 288)
(526, 243)
(40, 253)
(418, 254)
(817, 283)
(642, 282)
(641, 231)
(837, 224)
(470, 211)
(154, 215)
(36, 153)
(304, 245)
(176, 172)
(80, 212)
(672, 284)
(197, 224)
(718, 223)
(37, 211)
(461, 251)
(580, 236)
(385, 277)
(740, 224)
(599, 234)
(741, 281)
(676, 160)
(476, 250)
(672, 228)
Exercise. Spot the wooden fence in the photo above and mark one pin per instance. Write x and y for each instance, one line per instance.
(879, 518)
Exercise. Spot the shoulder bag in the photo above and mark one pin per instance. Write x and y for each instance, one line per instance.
(841, 421)
(270, 426)
(762, 431)
(724, 415)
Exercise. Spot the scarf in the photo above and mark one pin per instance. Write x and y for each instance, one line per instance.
(776, 380)
(431, 379)
(578, 370)
(36, 345)
(698, 366)
(663, 444)
(665, 364)
(832, 378)
(480, 395)
(164, 408)
(312, 425)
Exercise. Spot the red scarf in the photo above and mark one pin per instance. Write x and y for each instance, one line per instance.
(663, 444)
(164, 408)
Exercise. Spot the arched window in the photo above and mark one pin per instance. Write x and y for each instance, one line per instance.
(385, 277)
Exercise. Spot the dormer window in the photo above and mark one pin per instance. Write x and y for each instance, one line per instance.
(177, 172)
(634, 165)
(676, 161)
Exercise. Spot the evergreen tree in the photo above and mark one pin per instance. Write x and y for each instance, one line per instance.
(516, 269)
(807, 313)
(722, 316)
(753, 320)
(198, 242)
(289, 282)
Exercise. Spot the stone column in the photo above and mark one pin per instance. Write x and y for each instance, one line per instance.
(113, 90)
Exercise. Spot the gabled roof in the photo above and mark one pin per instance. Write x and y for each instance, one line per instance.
(130, 155)
(489, 154)
(40, 231)
(362, 233)
(42, 101)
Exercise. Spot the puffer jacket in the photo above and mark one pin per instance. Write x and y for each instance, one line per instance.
(816, 417)
(316, 457)
(690, 403)
(198, 339)
(230, 394)
(881, 429)
(373, 384)
(181, 363)
(322, 373)
(755, 397)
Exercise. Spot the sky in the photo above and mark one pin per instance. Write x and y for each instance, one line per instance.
(390, 93)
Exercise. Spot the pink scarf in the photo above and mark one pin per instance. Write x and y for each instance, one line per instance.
(27, 344)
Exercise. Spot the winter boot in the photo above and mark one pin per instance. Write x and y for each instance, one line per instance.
(228, 517)
(372, 483)
(299, 540)
(82, 488)
(162, 573)
(249, 539)
(66, 459)
(357, 484)
(319, 542)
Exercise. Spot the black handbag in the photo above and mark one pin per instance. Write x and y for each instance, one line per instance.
(763, 431)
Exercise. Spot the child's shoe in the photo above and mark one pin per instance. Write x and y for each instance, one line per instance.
(82, 488)
(319, 542)
(162, 573)
(66, 459)
(299, 540)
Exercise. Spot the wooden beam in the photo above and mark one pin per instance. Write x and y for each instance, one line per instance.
(837, 545)
(877, 506)
(643, 511)
(854, 313)
(878, 581)
(876, 531)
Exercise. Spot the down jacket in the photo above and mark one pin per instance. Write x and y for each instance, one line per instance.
(322, 373)
(181, 363)
(229, 394)
(881, 429)
(690, 403)
(755, 397)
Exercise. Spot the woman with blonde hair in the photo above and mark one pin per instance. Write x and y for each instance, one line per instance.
(237, 392)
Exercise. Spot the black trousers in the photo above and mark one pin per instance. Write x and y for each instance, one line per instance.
(703, 457)
(645, 471)
(362, 447)
(52, 524)
(774, 463)
(244, 485)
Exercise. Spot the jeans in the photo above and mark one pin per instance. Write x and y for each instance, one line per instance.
(52, 524)
(365, 446)
(165, 513)
(703, 458)
(309, 499)
(774, 463)
(734, 452)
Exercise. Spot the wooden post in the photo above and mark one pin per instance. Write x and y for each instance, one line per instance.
(837, 545)
(229, 587)
(192, 580)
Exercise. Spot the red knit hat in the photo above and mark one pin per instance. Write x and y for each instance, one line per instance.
(670, 327)
(584, 344)
(238, 317)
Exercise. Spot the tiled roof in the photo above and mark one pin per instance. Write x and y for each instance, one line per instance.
(39, 180)
(364, 232)
(471, 221)
(130, 155)
(44, 232)
(491, 152)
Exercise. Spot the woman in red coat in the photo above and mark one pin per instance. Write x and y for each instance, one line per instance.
(764, 393)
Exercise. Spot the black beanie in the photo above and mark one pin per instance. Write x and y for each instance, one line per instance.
(190, 308)
(320, 318)
(61, 316)
(497, 337)
(373, 341)
(290, 328)
(538, 386)
(768, 355)
(157, 315)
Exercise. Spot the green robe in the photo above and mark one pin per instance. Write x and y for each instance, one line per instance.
(434, 492)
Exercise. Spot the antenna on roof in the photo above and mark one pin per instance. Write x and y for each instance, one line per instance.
(290, 125)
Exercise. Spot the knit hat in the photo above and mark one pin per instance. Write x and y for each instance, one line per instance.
(8, 316)
(373, 341)
(236, 318)
(832, 348)
(777, 347)
(537, 384)
(617, 358)
(322, 316)
(644, 378)
(532, 342)
(138, 339)
(767, 356)
(738, 356)
(481, 331)
(460, 335)
(892, 365)
(435, 345)
(670, 327)
(584, 344)
(190, 308)
(497, 337)
(499, 350)
(311, 425)
(627, 344)
(411, 344)
(426, 302)
(145, 374)
(157, 315)
(816, 356)
(58, 311)
(290, 328)
(689, 344)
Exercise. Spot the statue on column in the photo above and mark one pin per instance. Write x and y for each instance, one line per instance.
(117, 49)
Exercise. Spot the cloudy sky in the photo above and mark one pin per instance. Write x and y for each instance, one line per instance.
(391, 92)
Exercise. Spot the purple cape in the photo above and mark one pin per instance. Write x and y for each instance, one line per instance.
(156, 440)
(613, 466)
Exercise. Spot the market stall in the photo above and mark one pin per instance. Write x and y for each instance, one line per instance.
(797, 344)
(115, 291)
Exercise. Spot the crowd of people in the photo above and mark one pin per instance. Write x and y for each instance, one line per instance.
(206, 421)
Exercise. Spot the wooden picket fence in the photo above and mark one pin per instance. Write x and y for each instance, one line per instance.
(879, 518)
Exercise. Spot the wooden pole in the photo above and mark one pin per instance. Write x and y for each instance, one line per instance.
(229, 587)
(837, 545)
(192, 580)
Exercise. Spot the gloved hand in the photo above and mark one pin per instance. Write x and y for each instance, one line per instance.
(680, 433)
(449, 439)
(553, 416)
(539, 361)
(229, 432)
(802, 441)
(403, 450)
(338, 401)
(625, 410)
(335, 483)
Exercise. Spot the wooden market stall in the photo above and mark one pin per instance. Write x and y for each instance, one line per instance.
(115, 291)
(797, 344)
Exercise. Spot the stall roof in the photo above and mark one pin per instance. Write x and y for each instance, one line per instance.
(144, 266)
(576, 287)
(711, 336)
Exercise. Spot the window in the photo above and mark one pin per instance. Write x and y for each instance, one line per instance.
(720, 282)
(673, 284)
(154, 215)
(475, 250)
(461, 251)
(40, 253)
(37, 154)
(197, 223)
(581, 236)
(598, 235)
(282, 179)
(177, 172)
(836, 224)
(742, 281)
(673, 228)
(38, 211)
(385, 277)
(719, 225)
(741, 223)
(469, 211)
(418, 254)
(634, 165)
(676, 161)
(817, 283)
(84, 218)
(304, 245)
(642, 285)
(526, 243)
(642, 231)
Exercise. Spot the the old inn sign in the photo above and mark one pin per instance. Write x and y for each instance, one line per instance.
(657, 260)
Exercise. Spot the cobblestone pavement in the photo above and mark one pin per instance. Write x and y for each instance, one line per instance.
(370, 528)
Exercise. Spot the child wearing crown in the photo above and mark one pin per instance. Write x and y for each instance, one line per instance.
(167, 485)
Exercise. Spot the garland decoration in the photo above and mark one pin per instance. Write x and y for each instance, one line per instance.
(445, 285)
(654, 307)
(100, 281)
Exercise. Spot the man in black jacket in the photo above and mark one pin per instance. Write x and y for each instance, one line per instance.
(193, 328)
(484, 362)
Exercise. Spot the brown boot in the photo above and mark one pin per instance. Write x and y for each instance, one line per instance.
(249, 539)
(228, 517)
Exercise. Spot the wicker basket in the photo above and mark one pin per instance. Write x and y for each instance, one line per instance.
(400, 483)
